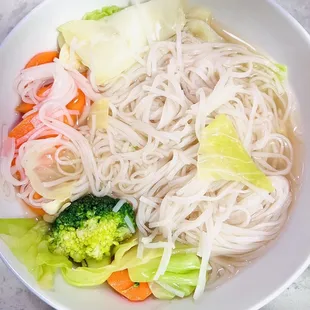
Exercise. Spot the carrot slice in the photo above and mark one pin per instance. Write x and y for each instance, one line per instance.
(77, 104)
(120, 281)
(27, 107)
(42, 58)
(24, 107)
(24, 127)
(37, 211)
(43, 89)
(37, 196)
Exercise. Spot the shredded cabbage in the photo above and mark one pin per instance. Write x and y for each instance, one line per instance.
(223, 157)
(104, 12)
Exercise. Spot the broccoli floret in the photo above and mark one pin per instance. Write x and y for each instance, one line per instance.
(89, 228)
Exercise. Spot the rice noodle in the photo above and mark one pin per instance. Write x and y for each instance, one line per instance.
(148, 154)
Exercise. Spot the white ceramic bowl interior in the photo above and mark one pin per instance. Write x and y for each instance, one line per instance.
(265, 26)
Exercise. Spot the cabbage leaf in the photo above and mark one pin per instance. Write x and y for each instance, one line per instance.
(109, 46)
(221, 156)
(99, 110)
(282, 72)
(40, 166)
(178, 264)
(104, 12)
(27, 239)
(159, 292)
(125, 257)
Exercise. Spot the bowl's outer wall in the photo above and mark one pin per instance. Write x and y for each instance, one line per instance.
(263, 25)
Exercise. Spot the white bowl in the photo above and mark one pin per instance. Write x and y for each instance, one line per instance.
(264, 25)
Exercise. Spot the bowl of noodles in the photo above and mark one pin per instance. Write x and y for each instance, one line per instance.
(152, 153)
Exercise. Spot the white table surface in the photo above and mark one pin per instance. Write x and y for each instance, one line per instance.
(15, 296)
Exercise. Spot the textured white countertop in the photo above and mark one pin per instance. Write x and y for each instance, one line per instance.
(14, 295)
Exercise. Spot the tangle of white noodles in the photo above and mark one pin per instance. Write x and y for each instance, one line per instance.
(148, 154)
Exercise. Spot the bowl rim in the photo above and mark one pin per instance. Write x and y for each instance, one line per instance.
(294, 22)
(48, 301)
(301, 269)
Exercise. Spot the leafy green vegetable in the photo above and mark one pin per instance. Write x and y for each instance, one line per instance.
(109, 46)
(159, 292)
(178, 264)
(38, 171)
(282, 73)
(104, 12)
(222, 156)
(86, 276)
(16, 227)
(203, 31)
(190, 278)
(27, 239)
(125, 258)
(99, 109)
(89, 228)
(93, 263)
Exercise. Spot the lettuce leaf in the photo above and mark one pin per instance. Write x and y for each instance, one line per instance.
(221, 156)
(27, 239)
(104, 12)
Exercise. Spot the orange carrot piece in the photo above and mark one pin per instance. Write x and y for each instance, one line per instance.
(24, 107)
(77, 104)
(43, 89)
(120, 281)
(27, 107)
(24, 127)
(42, 58)
(37, 196)
(37, 211)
